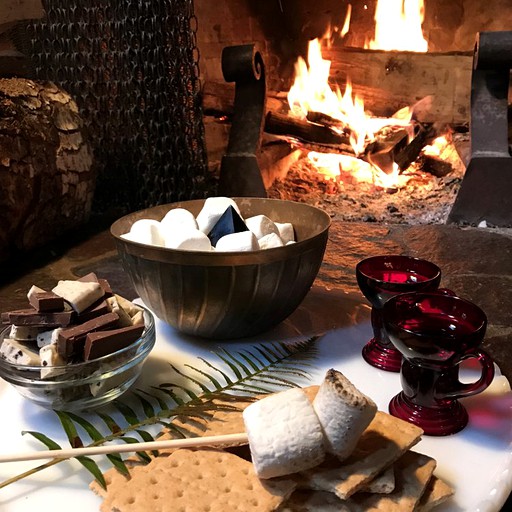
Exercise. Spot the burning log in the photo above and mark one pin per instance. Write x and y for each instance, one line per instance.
(389, 81)
(280, 124)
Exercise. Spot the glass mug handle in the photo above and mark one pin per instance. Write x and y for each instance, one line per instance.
(461, 390)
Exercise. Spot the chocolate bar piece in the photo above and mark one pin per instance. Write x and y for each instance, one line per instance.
(97, 309)
(80, 294)
(38, 319)
(46, 301)
(101, 343)
(71, 341)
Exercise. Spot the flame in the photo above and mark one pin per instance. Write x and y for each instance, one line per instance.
(311, 92)
(398, 26)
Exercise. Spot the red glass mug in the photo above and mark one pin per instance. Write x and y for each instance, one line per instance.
(380, 278)
(435, 333)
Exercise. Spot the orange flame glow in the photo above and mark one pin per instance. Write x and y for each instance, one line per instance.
(398, 26)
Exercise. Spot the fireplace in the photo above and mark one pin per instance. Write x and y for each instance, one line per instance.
(437, 83)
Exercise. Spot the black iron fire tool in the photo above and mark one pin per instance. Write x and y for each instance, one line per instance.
(486, 189)
(240, 173)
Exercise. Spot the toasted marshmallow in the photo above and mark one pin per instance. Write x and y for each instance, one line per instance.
(344, 413)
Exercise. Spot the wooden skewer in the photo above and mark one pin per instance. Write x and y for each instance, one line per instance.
(68, 453)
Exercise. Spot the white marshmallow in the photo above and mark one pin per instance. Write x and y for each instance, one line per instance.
(269, 241)
(49, 359)
(344, 413)
(187, 240)
(80, 294)
(261, 225)
(242, 241)
(286, 231)
(178, 218)
(145, 231)
(284, 434)
(212, 211)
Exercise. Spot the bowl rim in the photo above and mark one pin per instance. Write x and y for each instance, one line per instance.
(147, 335)
(221, 258)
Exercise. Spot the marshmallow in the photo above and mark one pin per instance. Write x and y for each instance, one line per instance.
(269, 241)
(284, 434)
(187, 240)
(344, 413)
(261, 225)
(212, 211)
(178, 218)
(49, 359)
(242, 241)
(80, 294)
(145, 231)
(286, 231)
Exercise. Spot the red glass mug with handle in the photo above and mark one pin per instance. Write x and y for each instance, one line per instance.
(380, 278)
(435, 333)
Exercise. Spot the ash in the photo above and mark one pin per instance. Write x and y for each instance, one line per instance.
(424, 199)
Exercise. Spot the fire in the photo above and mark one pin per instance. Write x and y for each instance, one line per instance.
(398, 26)
(311, 92)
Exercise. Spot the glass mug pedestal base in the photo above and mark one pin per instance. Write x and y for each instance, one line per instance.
(435, 421)
(385, 358)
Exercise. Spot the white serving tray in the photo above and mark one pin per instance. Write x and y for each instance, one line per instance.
(477, 462)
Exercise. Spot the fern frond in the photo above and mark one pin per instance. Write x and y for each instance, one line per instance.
(257, 370)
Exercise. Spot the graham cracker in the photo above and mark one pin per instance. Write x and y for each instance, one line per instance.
(413, 472)
(383, 483)
(437, 492)
(218, 423)
(413, 475)
(381, 444)
(197, 480)
(313, 501)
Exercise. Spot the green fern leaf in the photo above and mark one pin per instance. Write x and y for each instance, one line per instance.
(69, 428)
(49, 443)
(258, 370)
(94, 469)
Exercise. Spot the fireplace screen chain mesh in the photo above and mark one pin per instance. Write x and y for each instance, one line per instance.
(132, 66)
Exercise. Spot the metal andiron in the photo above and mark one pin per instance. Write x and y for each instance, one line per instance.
(486, 190)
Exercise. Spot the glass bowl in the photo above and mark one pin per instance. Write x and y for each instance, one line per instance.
(80, 386)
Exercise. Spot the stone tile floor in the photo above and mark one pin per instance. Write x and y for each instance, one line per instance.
(476, 264)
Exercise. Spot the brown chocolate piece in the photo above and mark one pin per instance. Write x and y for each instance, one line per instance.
(93, 278)
(101, 343)
(46, 301)
(71, 341)
(38, 319)
(97, 309)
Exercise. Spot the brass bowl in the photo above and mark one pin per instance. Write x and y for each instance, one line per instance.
(226, 295)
